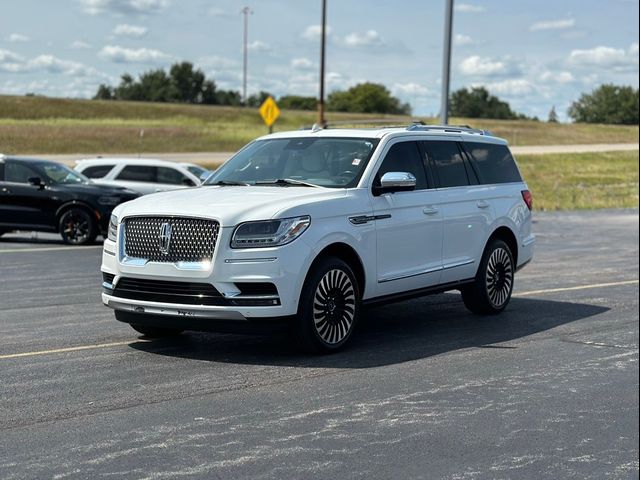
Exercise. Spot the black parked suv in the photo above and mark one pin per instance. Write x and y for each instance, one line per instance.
(49, 197)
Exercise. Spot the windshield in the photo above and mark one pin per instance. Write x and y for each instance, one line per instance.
(57, 173)
(321, 161)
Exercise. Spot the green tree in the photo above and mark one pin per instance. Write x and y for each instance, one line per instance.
(257, 99)
(105, 92)
(228, 97)
(477, 102)
(367, 98)
(188, 83)
(296, 102)
(607, 104)
(553, 116)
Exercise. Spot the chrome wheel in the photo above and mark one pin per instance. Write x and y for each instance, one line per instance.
(334, 306)
(499, 277)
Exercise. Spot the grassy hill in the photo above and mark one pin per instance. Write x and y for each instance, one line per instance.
(32, 125)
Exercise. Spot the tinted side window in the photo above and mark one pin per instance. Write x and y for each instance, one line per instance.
(97, 171)
(138, 173)
(171, 176)
(18, 172)
(449, 163)
(404, 157)
(494, 163)
(1, 171)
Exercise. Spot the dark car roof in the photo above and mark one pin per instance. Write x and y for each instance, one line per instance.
(25, 159)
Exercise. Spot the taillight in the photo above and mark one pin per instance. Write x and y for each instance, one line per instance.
(528, 199)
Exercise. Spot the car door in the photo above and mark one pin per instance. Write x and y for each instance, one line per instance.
(23, 204)
(467, 214)
(141, 178)
(408, 225)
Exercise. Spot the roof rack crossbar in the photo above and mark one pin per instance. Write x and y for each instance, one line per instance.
(448, 128)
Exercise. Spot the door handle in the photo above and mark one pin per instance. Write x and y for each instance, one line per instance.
(482, 204)
(429, 210)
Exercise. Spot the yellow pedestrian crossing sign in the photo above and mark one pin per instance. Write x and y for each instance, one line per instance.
(269, 111)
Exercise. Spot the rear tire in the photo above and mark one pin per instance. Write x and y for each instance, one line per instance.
(77, 226)
(491, 290)
(329, 307)
(156, 332)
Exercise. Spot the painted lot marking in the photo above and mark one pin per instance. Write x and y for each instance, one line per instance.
(119, 344)
(48, 249)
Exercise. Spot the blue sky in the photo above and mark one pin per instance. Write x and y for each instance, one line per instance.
(534, 54)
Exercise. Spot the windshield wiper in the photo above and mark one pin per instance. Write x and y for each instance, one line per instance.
(228, 183)
(287, 181)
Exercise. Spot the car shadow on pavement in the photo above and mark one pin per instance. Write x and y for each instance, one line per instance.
(387, 335)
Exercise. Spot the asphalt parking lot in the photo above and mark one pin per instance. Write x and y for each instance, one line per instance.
(549, 389)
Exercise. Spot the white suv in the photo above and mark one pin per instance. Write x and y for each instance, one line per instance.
(307, 227)
(142, 175)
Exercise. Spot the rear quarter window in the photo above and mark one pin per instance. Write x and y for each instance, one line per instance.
(493, 163)
(97, 171)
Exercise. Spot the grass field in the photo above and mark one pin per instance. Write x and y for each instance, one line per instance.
(582, 181)
(33, 125)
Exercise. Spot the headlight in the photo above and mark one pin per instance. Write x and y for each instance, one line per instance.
(112, 232)
(109, 200)
(269, 233)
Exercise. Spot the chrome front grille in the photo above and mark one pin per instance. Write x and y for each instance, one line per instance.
(191, 239)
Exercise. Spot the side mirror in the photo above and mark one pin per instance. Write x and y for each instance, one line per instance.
(36, 182)
(395, 182)
(188, 182)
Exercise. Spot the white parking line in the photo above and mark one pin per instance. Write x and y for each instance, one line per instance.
(119, 344)
(49, 249)
(579, 287)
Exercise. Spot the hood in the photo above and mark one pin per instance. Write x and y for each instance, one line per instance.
(231, 205)
(96, 189)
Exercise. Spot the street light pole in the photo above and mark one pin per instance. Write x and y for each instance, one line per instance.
(446, 63)
(246, 11)
(321, 120)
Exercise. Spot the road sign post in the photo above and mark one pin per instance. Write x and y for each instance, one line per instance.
(269, 112)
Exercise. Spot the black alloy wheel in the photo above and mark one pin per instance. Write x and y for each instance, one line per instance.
(491, 290)
(329, 306)
(77, 227)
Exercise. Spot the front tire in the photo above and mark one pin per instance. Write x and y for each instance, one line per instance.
(491, 290)
(329, 307)
(77, 227)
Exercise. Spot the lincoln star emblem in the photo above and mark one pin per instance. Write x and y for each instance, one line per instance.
(164, 239)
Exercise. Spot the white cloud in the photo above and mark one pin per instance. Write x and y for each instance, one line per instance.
(79, 45)
(411, 88)
(462, 40)
(217, 12)
(126, 30)
(124, 7)
(17, 38)
(606, 57)
(258, 46)
(13, 63)
(133, 55)
(556, 77)
(301, 63)
(217, 62)
(552, 25)
(468, 8)
(370, 38)
(313, 32)
(485, 66)
(510, 87)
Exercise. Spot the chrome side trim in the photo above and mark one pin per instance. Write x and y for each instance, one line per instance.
(362, 219)
(171, 309)
(239, 296)
(458, 264)
(400, 277)
(107, 285)
(109, 252)
(531, 240)
(250, 260)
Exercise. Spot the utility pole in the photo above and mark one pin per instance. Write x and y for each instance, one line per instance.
(446, 63)
(246, 11)
(321, 120)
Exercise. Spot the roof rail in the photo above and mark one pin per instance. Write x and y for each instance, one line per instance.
(378, 122)
(448, 128)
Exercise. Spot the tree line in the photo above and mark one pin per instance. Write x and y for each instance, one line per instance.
(185, 84)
